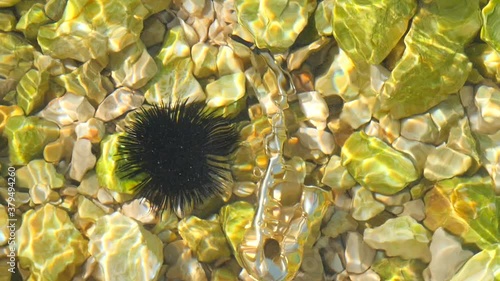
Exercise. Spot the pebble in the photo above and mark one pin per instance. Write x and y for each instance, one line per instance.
(82, 160)
(117, 103)
(359, 256)
(447, 256)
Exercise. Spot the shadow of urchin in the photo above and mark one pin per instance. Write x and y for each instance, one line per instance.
(180, 152)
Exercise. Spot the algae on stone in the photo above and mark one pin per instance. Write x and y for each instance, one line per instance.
(174, 81)
(16, 58)
(7, 20)
(235, 218)
(465, 207)
(491, 20)
(50, 246)
(368, 30)
(433, 64)
(399, 269)
(92, 29)
(484, 266)
(107, 167)
(86, 80)
(377, 166)
(274, 25)
(31, 90)
(31, 21)
(125, 250)
(27, 136)
(205, 238)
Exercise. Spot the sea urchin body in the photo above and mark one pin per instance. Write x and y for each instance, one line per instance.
(180, 152)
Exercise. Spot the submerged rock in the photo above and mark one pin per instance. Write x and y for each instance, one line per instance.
(377, 166)
(119, 242)
(465, 207)
(49, 244)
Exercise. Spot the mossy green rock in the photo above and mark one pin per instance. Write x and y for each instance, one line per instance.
(86, 80)
(174, 81)
(465, 207)
(31, 90)
(368, 30)
(274, 24)
(399, 269)
(16, 58)
(91, 29)
(27, 136)
(31, 21)
(485, 265)
(490, 32)
(235, 219)
(205, 238)
(433, 64)
(8, 3)
(377, 166)
(7, 20)
(107, 167)
(50, 246)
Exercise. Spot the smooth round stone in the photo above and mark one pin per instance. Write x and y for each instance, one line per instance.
(418, 151)
(133, 67)
(314, 108)
(359, 256)
(104, 197)
(89, 185)
(40, 232)
(375, 165)
(420, 128)
(313, 138)
(364, 205)
(39, 172)
(88, 210)
(183, 266)
(447, 256)
(118, 242)
(357, 112)
(41, 193)
(117, 103)
(482, 266)
(444, 163)
(227, 62)
(244, 189)
(204, 58)
(92, 130)
(139, 210)
(401, 236)
(336, 176)
(414, 209)
(63, 110)
(394, 200)
(226, 90)
(82, 160)
(205, 238)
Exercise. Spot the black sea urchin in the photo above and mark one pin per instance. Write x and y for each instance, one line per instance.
(180, 152)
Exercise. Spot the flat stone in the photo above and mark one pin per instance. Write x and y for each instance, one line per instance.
(117, 103)
(444, 163)
(447, 256)
(82, 160)
(359, 256)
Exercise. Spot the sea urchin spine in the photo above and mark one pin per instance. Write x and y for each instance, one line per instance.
(180, 152)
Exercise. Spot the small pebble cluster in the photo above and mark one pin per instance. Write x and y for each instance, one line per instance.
(392, 149)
